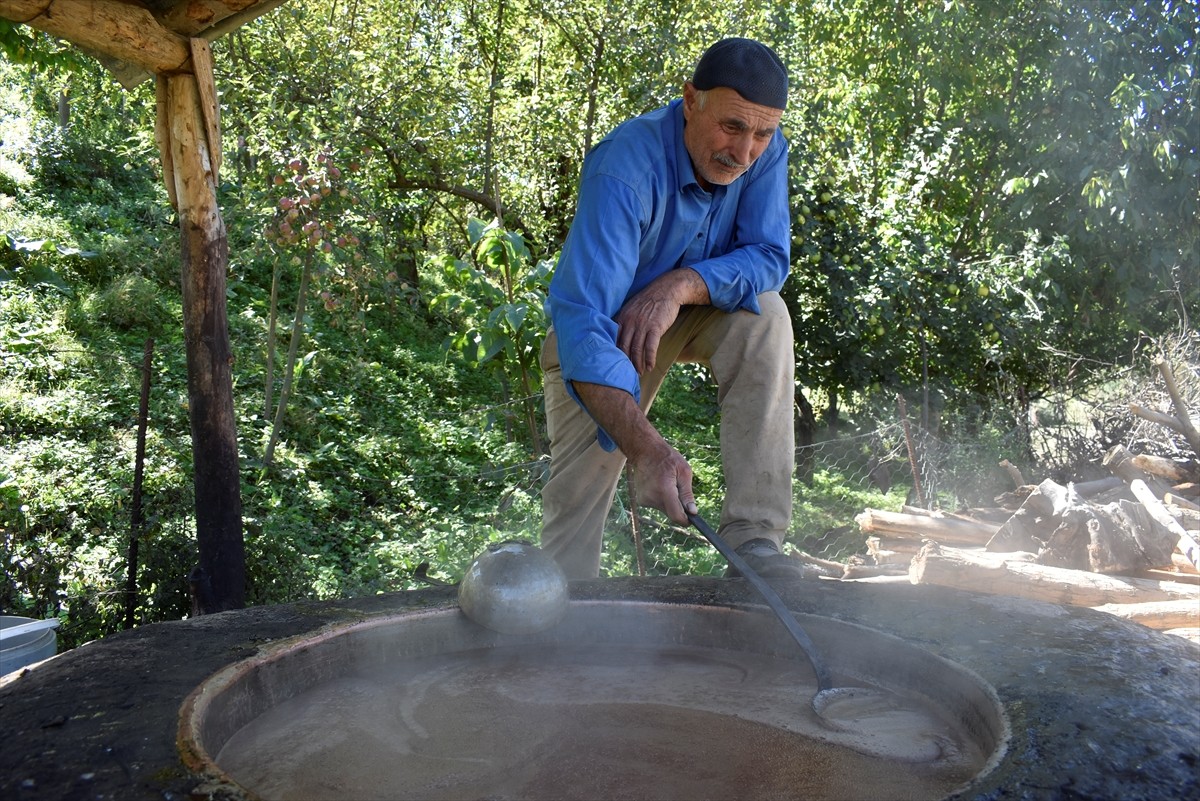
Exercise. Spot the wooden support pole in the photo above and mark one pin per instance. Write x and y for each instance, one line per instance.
(205, 259)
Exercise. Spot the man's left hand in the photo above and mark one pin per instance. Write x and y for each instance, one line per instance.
(644, 319)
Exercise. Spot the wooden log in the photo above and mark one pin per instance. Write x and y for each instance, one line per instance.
(220, 576)
(1181, 409)
(1158, 615)
(858, 568)
(919, 511)
(902, 526)
(1016, 575)
(1171, 499)
(1191, 633)
(1169, 469)
(1120, 462)
(888, 551)
(1180, 570)
(1088, 489)
(126, 31)
(1161, 418)
(1014, 473)
(1187, 544)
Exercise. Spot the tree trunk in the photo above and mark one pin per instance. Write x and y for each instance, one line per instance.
(806, 428)
(205, 258)
(289, 368)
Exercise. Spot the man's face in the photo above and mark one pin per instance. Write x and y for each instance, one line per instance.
(726, 136)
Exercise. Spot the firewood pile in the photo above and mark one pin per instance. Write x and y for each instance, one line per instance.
(1125, 544)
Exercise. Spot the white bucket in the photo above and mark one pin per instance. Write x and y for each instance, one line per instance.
(24, 641)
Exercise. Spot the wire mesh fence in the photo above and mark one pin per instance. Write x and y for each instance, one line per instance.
(882, 454)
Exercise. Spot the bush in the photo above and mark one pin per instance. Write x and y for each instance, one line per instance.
(129, 302)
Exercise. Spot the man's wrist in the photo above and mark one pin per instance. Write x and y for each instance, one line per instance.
(686, 287)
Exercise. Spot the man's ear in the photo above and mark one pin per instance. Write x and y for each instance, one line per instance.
(689, 99)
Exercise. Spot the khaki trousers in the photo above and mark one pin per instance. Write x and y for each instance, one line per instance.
(752, 359)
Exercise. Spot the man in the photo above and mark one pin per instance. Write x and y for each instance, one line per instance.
(677, 252)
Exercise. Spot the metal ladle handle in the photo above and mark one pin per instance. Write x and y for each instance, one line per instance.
(824, 680)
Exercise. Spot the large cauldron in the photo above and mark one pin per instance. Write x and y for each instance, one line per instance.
(1065, 703)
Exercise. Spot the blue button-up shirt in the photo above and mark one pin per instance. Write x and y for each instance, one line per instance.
(641, 213)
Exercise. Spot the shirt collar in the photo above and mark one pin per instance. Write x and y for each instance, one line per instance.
(685, 173)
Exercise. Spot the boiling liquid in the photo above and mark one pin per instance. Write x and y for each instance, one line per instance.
(584, 723)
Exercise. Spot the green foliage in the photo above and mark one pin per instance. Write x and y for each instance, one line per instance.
(976, 188)
(129, 303)
(498, 309)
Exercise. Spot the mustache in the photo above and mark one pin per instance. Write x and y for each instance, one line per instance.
(729, 161)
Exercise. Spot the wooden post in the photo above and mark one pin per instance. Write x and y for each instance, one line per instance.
(204, 252)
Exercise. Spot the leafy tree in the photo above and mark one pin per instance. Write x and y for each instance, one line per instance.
(499, 302)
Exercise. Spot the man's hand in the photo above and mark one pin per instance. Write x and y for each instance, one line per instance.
(664, 481)
(664, 477)
(644, 319)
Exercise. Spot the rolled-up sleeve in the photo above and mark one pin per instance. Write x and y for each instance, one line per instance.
(596, 271)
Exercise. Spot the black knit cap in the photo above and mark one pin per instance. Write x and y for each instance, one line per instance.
(748, 67)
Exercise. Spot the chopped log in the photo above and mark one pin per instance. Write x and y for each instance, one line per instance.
(858, 568)
(994, 516)
(1158, 615)
(1171, 499)
(1180, 570)
(1120, 462)
(891, 551)
(826, 567)
(916, 527)
(1190, 489)
(1014, 473)
(1186, 543)
(1170, 469)
(1188, 633)
(1181, 410)
(1017, 575)
(1031, 525)
(1089, 489)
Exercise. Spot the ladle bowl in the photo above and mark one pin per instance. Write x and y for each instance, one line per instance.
(514, 588)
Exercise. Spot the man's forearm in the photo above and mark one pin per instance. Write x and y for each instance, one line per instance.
(664, 476)
(618, 414)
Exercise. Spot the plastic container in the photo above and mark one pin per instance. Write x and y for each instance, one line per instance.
(31, 644)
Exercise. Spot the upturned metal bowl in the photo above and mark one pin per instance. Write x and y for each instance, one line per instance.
(514, 588)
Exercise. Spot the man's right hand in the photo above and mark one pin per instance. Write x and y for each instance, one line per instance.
(664, 477)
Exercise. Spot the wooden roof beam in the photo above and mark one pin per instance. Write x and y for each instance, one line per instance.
(119, 30)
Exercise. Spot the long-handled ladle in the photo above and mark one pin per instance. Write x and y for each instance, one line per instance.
(842, 708)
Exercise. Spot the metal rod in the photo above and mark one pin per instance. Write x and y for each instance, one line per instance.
(824, 680)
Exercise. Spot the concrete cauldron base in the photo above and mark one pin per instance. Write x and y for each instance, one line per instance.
(1097, 708)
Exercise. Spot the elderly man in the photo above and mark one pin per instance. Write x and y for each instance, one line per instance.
(677, 252)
